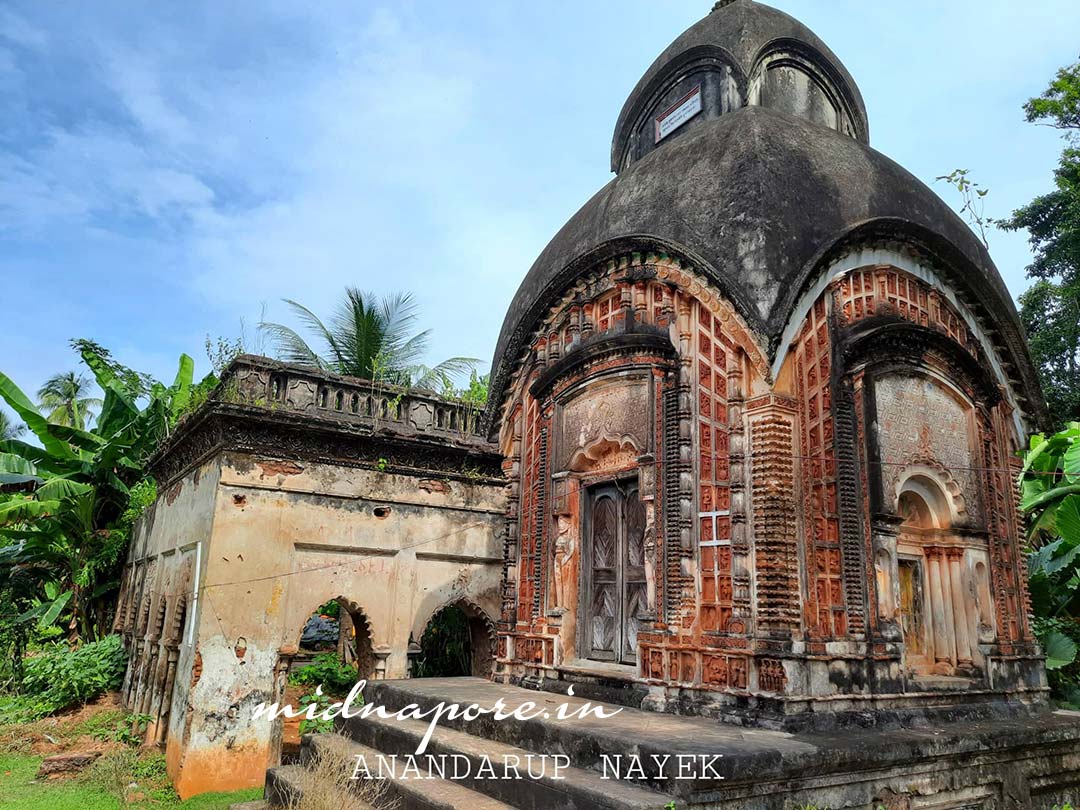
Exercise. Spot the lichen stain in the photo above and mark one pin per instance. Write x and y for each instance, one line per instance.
(279, 468)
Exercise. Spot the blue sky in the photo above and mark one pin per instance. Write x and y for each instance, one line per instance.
(166, 168)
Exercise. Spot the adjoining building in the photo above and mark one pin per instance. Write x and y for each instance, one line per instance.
(290, 489)
(750, 453)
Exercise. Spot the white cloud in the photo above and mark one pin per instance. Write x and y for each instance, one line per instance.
(234, 154)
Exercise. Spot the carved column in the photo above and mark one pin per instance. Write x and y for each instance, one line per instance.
(554, 348)
(513, 469)
(942, 664)
(587, 320)
(640, 289)
(849, 501)
(947, 602)
(960, 613)
(683, 571)
(165, 708)
(737, 500)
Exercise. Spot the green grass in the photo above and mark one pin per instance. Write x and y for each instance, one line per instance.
(18, 791)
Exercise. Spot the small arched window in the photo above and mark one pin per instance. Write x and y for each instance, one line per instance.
(923, 504)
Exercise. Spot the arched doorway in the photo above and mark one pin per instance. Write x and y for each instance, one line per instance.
(457, 641)
(614, 584)
(334, 650)
(913, 587)
(338, 626)
(938, 610)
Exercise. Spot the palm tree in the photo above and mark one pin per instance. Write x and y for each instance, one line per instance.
(367, 338)
(9, 428)
(64, 397)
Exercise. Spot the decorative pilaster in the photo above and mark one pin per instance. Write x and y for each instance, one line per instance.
(741, 548)
(772, 424)
(848, 491)
(960, 614)
(939, 618)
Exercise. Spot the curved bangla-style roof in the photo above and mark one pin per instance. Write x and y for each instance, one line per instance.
(757, 200)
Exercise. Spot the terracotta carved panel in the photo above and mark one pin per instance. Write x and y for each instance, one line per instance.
(607, 425)
(920, 422)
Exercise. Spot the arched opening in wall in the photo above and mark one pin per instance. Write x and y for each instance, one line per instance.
(938, 609)
(334, 651)
(337, 631)
(923, 504)
(457, 641)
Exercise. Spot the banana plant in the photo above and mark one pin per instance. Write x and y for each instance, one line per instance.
(67, 525)
(46, 611)
(1050, 496)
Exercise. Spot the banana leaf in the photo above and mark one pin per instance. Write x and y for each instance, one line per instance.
(54, 609)
(37, 424)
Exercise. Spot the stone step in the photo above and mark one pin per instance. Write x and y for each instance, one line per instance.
(593, 743)
(509, 777)
(287, 781)
(750, 760)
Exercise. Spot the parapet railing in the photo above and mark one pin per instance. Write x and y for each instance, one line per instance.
(262, 382)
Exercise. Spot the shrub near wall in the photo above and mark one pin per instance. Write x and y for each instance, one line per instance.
(59, 677)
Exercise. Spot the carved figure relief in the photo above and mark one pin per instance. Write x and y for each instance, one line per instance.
(565, 549)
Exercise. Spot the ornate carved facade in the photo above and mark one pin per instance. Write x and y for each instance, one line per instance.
(762, 452)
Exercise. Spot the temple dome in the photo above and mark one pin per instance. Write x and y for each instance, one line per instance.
(741, 54)
(757, 201)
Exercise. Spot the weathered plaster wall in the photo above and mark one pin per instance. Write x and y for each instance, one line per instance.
(157, 604)
(288, 536)
(288, 490)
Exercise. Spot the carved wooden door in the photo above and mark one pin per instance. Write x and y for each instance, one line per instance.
(615, 587)
(912, 612)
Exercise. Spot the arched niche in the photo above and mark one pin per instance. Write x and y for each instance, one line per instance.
(941, 599)
(457, 639)
(791, 84)
(913, 262)
(923, 499)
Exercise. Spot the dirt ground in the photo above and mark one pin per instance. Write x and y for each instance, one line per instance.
(73, 730)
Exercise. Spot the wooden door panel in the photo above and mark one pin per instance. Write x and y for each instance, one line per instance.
(636, 600)
(604, 611)
(605, 533)
(615, 590)
(602, 602)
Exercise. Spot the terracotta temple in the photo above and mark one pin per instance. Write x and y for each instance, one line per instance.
(759, 403)
(749, 454)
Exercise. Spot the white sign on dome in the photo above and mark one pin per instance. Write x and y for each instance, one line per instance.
(678, 113)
